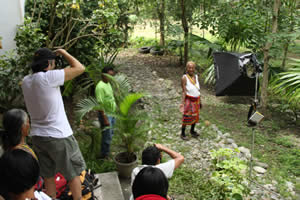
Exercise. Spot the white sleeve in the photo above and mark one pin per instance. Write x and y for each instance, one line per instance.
(55, 78)
(167, 168)
(41, 195)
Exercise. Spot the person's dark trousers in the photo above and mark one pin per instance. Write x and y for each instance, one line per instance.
(107, 134)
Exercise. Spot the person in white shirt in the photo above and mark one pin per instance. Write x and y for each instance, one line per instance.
(52, 136)
(191, 102)
(152, 156)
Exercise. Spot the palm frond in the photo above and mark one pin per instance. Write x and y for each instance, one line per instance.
(128, 102)
(287, 84)
(86, 105)
(209, 75)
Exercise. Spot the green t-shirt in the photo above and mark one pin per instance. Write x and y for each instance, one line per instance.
(105, 95)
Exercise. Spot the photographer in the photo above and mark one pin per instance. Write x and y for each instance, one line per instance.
(52, 136)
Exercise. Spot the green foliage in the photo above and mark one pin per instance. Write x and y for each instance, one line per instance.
(228, 174)
(142, 42)
(209, 75)
(230, 21)
(15, 65)
(288, 83)
(131, 123)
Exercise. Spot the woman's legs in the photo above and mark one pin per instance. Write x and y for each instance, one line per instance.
(183, 136)
(193, 132)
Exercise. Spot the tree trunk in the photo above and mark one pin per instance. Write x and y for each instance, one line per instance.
(292, 7)
(186, 32)
(285, 50)
(264, 93)
(161, 16)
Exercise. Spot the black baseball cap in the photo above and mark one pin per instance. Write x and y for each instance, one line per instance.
(40, 59)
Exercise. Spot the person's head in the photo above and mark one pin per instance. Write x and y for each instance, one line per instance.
(107, 70)
(190, 67)
(16, 125)
(151, 156)
(150, 180)
(19, 173)
(43, 60)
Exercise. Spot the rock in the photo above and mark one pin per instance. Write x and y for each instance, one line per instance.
(263, 165)
(290, 186)
(154, 73)
(229, 141)
(234, 145)
(96, 124)
(244, 150)
(270, 187)
(226, 135)
(275, 105)
(274, 197)
(259, 169)
(168, 84)
(214, 127)
(160, 79)
(220, 133)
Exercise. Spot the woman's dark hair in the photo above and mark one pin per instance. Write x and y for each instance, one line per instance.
(150, 180)
(19, 172)
(150, 155)
(13, 121)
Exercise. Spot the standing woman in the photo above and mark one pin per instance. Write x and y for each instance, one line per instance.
(191, 103)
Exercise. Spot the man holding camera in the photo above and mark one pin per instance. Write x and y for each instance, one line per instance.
(52, 136)
(152, 156)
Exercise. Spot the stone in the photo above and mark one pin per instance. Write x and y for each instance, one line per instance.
(220, 133)
(244, 150)
(96, 123)
(229, 141)
(275, 105)
(259, 169)
(154, 73)
(234, 145)
(263, 165)
(290, 185)
(214, 127)
(226, 135)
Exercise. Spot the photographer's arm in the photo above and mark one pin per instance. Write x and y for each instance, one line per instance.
(179, 159)
(75, 69)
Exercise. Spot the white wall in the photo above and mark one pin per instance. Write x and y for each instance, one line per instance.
(11, 15)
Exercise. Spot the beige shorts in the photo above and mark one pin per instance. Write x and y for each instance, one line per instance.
(58, 155)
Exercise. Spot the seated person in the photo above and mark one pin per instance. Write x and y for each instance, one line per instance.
(19, 173)
(150, 184)
(16, 127)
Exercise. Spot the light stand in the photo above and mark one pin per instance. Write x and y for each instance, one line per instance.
(253, 121)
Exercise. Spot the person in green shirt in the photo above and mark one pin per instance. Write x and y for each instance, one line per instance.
(104, 94)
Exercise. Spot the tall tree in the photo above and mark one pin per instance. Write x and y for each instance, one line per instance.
(264, 93)
(161, 17)
(186, 31)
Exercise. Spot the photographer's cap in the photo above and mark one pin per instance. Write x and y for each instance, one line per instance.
(44, 54)
(40, 59)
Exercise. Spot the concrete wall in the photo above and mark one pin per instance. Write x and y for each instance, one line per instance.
(11, 15)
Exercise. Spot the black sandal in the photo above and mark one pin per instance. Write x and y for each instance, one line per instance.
(194, 134)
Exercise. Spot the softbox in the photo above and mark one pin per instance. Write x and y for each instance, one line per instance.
(235, 73)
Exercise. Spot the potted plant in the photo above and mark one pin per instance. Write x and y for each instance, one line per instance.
(131, 122)
(130, 128)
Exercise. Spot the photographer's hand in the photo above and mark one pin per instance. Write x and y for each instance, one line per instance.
(75, 69)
